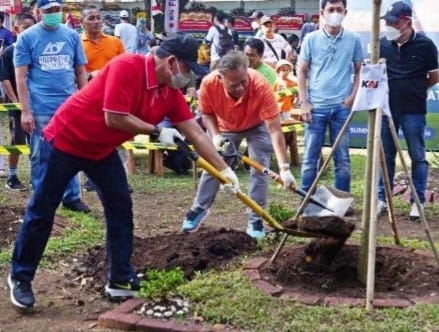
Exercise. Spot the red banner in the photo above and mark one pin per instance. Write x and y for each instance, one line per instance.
(289, 23)
(195, 21)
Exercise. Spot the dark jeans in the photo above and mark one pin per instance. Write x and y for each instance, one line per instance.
(109, 176)
(413, 127)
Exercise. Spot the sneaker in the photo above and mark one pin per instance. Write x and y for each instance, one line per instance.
(22, 296)
(381, 208)
(3, 173)
(13, 183)
(89, 186)
(193, 220)
(117, 291)
(77, 206)
(256, 230)
(415, 215)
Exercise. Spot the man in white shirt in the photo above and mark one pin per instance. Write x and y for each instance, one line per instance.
(274, 43)
(126, 32)
(213, 39)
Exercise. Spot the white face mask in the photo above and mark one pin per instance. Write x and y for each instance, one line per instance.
(179, 80)
(392, 33)
(334, 19)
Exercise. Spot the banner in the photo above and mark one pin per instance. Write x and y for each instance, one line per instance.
(171, 16)
(359, 20)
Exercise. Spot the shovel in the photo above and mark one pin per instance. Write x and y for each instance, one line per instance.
(193, 155)
(325, 202)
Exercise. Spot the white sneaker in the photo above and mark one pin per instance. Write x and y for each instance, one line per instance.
(415, 215)
(381, 208)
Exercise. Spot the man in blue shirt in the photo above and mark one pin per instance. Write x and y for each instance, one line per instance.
(49, 65)
(328, 77)
(412, 68)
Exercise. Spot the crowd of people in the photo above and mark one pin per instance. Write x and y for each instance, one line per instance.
(82, 96)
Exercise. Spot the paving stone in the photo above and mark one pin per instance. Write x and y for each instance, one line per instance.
(157, 325)
(119, 320)
(267, 288)
(398, 189)
(255, 263)
(130, 305)
(432, 299)
(391, 303)
(338, 300)
(252, 274)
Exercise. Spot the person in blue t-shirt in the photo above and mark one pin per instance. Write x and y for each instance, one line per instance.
(50, 65)
(328, 77)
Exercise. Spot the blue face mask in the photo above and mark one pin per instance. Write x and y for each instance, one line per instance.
(52, 19)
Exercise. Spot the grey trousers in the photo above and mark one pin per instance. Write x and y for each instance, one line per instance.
(259, 149)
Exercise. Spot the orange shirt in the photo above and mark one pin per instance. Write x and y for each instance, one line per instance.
(99, 53)
(285, 102)
(256, 105)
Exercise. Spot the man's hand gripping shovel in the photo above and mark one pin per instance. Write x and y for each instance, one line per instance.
(193, 155)
(231, 151)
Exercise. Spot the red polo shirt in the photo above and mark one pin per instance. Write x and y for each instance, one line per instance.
(126, 85)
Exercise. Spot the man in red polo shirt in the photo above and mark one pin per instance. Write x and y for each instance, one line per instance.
(129, 96)
(238, 103)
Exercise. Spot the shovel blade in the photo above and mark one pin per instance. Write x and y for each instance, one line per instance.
(337, 200)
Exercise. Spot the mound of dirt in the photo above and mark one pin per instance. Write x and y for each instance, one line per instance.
(201, 251)
(399, 273)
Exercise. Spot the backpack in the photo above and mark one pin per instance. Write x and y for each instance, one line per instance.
(225, 41)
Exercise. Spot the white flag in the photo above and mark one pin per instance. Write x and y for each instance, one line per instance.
(171, 16)
(373, 91)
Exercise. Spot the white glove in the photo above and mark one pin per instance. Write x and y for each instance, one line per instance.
(218, 142)
(167, 136)
(231, 176)
(287, 179)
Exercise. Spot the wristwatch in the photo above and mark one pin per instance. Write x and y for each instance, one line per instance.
(155, 133)
(284, 166)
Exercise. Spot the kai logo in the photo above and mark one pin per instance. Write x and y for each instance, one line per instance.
(53, 48)
(368, 84)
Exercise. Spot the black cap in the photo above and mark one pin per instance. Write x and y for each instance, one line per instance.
(256, 14)
(397, 11)
(185, 48)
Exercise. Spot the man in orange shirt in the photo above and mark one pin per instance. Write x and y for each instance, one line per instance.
(99, 48)
(236, 103)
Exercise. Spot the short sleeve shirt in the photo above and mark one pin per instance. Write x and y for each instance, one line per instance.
(99, 53)
(255, 106)
(407, 68)
(331, 62)
(126, 85)
(51, 57)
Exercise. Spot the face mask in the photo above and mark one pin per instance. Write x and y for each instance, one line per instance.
(392, 33)
(52, 19)
(334, 19)
(179, 80)
(255, 25)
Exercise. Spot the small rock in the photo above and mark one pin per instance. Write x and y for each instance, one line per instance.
(158, 315)
(167, 314)
(180, 313)
(149, 312)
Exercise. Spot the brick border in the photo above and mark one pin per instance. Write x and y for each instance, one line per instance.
(122, 318)
(251, 271)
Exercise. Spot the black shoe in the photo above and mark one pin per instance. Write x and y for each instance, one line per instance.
(77, 206)
(22, 296)
(89, 186)
(13, 183)
(116, 291)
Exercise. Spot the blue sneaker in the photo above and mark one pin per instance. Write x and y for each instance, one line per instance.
(21, 294)
(256, 230)
(193, 220)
